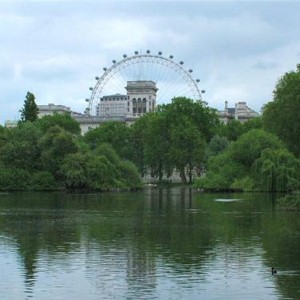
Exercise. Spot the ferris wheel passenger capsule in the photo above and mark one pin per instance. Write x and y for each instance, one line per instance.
(114, 61)
(91, 88)
(190, 70)
(148, 51)
(202, 91)
(97, 77)
(197, 80)
(159, 53)
(124, 55)
(136, 52)
(104, 69)
(181, 62)
(87, 100)
(171, 56)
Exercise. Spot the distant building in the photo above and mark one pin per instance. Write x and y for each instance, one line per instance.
(141, 97)
(139, 100)
(240, 112)
(11, 124)
(51, 109)
(113, 106)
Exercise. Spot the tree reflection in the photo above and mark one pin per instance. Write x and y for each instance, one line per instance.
(129, 240)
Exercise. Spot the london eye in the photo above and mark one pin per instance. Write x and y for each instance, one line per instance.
(171, 77)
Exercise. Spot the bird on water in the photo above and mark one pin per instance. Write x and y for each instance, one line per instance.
(274, 271)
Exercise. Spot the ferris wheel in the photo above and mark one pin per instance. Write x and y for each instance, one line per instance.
(171, 78)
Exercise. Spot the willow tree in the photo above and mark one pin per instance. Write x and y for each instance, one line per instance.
(277, 170)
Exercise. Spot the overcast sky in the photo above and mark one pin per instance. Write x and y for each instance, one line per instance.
(54, 49)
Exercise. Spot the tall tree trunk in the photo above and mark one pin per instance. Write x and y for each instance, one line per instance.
(182, 176)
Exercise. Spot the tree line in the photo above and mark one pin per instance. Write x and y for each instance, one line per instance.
(50, 154)
(183, 136)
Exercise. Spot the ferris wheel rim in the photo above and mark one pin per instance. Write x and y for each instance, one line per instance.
(143, 58)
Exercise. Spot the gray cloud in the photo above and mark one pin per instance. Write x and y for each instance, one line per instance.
(237, 49)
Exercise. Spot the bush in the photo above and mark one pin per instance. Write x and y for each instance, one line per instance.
(246, 184)
(43, 181)
(14, 179)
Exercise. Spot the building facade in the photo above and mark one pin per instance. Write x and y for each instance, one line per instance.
(141, 97)
(51, 109)
(240, 112)
(112, 106)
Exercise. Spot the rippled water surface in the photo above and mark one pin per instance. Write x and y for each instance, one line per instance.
(155, 244)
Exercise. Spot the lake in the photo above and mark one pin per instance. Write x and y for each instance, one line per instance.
(170, 243)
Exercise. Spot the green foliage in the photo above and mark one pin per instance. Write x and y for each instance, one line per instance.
(222, 170)
(173, 138)
(137, 143)
(55, 145)
(216, 145)
(213, 181)
(254, 123)
(108, 151)
(129, 175)
(281, 116)
(187, 147)
(245, 183)
(249, 146)
(21, 149)
(14, 179)
(91, 171)
(277, 171)
(235, 167)
(43, 181)
(64, 121)
(203, 117)
(157, 145)
(233, 130)
(29, 112)
(114, 133)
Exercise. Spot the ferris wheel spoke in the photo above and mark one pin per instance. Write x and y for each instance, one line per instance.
(170, 77)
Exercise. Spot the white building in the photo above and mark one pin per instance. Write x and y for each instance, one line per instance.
(141, 97)
(240, 112)
(113, 106)
(51, 109)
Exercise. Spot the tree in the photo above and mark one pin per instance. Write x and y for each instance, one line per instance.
(216, 145)
(100, 170)
(64, 121)
(187, 148)
(156, 140)
(249, 146)
(29, 112)
(281, 116)
(234, 166)
(114, 133)
(55, 145)
(203, 117)
(22, 147)
(277, 171)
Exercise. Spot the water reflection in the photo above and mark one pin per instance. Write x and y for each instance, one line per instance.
(156, 244)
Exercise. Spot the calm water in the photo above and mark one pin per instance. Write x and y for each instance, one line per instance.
(155, 244)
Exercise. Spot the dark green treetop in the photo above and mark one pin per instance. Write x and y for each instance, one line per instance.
(29, 111)
(281, 116)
